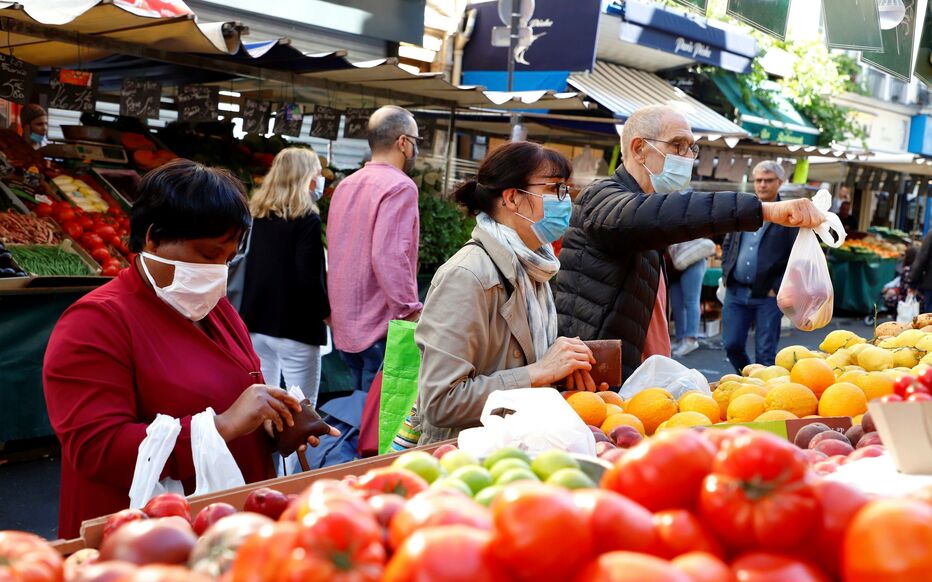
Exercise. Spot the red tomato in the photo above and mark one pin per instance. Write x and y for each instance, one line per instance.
(86, 222)
(616, 522)
(106, 232)
(323, 494)
(889, 540)
(631, 567)
(110, 271)
(120, 518)
(168, 504)
(434, 508)
(167, 540)
(27, 557)
(917, 389)
(891, 398)
(663, 472)
(262, 556)
(73, 229)
(64, 214)
(43, 209)
(839, 503)
(91, 241)
(101, 255)
(451, 553)
(703, 567)
(679, 532)
(902, 384)
(919, 397)
(78, 562)
(540, 533)
(761, 456)
(345, 546)
(768, 567)
(926, 378)
(159, 573)
(388, 480)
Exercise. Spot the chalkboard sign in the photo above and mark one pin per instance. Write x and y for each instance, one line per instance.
(357, 123)
(288, 119)
(73, 90)
(256, 116)
(197, 103)
(16, 78)
(426, 126)
(140, 98)
(326, 124)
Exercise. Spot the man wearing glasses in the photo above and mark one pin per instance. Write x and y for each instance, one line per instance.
(611, 282)
(753, 264)
(373, 232)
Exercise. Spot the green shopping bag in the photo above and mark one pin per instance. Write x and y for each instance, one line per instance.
(399, 380)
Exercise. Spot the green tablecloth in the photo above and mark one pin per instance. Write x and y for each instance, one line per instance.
(858, 281)
(712, 275)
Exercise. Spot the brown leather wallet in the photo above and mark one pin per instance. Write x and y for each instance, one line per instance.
(307, 423)
(607, 368)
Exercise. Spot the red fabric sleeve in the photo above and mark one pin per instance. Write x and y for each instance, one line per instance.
(90, 394)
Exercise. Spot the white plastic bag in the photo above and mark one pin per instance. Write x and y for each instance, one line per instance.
(806, 295)
(154, 451)
(215, 469)
(662, 372)
(542, 420)
(906, 311)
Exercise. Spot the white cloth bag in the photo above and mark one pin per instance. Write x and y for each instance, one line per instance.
(214, 465)
(541, 420)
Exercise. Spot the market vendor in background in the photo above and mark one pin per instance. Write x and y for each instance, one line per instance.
(161, 338)
(753, 264)
(612, 283)
(489, 322)
(35, 125)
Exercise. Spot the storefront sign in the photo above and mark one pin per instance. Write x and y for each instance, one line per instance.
(72, 90)
(288, 119)
(256, 116)
(779, 135)
(197, 103)
(326, 123)
(852, 25)
(769, 16)
(357, 123)
(16, 79)
(426, 127)
(693, 49)
(896, 58)
(924, 57)
(140, 98)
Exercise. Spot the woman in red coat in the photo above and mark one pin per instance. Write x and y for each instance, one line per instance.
(161, 338)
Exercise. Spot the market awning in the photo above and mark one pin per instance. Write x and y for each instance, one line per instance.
(623, 91)
(777, 121)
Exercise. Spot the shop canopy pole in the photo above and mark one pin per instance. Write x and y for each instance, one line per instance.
(451, 136)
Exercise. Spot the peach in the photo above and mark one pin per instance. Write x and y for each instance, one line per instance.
(833, 447)
(865, 452)
(828, 435)
(854, 434)
(602, 446)
(867, 423)
(870, 438)
(626, 436)
(807, 432)
(444, 449)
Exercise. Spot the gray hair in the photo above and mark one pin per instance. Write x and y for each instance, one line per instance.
(646, 122)
(771, 167)
(386, 125)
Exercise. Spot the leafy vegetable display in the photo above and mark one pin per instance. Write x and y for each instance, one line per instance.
(49, 261)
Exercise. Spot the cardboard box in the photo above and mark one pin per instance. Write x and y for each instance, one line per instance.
(788, 428)
(906, 431)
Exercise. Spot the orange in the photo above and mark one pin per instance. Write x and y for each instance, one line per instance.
(749, 389)
(622, 418)
(610, 397)
(589, 407)
(566, 395)
(815, 374)
(776, 415)
(842, 399)
(746, 408)
(874, 384)
(687, 419)
(722, 396)
(702, 403)
(652, 406)
(792, 397)
(611, 409)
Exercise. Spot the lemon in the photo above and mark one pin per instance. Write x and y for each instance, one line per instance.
(787, 357)
(906, 357)
(770, 373)
(841, 358)
(838, 339)
(909, 338)
(875, 359)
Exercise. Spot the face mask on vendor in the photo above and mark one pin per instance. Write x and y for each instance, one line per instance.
(196, 288)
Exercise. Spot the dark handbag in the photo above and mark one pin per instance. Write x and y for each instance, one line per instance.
(307, 423)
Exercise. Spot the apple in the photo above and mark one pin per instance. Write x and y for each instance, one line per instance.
(865, 452)
(867, 422)
(919, 397)
(443, 450)
(122, 517)
(833, 447)
(815, 456)
(167, 505)
(166, 540)
(854, 434)
(211, 515)
(626, 436)
(871, 438)
(827, 435)
(807, 432)
(265, 501)
(602, 446)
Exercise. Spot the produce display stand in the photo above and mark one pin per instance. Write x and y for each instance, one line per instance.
(92, 530)
(858, 280)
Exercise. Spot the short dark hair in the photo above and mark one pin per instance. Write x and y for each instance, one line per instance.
(386, 125)
(184, 200)
(509, 166)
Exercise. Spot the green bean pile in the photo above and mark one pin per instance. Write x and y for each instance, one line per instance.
(48, 261)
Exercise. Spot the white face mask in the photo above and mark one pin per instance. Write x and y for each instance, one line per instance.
(195, 289)
(318, 192)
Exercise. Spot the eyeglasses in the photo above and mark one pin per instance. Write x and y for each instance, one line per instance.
(562, 189)
(417, 140)
(682, 148)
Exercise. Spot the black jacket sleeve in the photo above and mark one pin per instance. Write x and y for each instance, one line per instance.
(615, 218)
(309, 264)
(921, 264)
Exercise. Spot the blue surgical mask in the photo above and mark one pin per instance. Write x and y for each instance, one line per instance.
(37, 137)
(556, 218)
(676, 174)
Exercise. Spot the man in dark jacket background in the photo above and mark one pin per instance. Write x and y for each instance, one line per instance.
(753, 264)
(611, 266)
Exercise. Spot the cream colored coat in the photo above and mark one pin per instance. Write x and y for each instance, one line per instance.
(473, 337)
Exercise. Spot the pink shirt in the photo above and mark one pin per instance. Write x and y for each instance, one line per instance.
(657, 341)
(373, 231)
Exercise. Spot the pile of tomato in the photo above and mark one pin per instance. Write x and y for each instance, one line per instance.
(103, 235)
(683, 506)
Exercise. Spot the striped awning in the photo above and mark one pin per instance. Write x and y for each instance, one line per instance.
(623, 91)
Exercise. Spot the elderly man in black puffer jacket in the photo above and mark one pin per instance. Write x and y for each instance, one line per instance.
(611, 262)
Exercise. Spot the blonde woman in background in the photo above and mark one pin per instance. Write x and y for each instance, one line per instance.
(284, 293)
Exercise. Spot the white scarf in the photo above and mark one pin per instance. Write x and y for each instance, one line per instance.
(534, 269)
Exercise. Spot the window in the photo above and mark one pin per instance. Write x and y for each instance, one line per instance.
(923, 96)
(876, 83)
(898, 91)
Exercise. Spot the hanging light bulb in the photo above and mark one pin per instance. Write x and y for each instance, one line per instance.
(891, 13)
